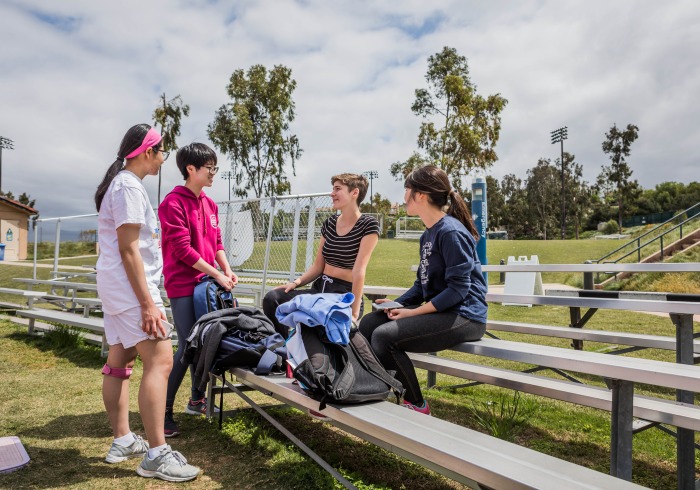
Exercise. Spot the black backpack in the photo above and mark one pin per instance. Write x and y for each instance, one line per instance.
(210, 296)
(343, 373)
(261, 352)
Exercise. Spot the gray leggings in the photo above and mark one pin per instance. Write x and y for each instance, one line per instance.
(183, 315)
(432, 332)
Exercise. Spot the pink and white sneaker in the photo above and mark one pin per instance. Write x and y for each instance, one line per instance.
(424, 409)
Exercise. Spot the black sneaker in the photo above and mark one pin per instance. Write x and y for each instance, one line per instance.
(171, 429)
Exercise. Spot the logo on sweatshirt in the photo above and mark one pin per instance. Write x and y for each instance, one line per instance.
(426, 252)
(212, 218)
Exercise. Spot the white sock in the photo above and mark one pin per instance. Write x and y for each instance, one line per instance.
(126, 440)
(154, 452)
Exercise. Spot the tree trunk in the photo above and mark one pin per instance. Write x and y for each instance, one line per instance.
(619, 211)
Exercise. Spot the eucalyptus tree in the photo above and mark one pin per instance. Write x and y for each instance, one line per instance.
(253, 130)
(460, 127)
(617, 146)
(168, 115)
(543, 195)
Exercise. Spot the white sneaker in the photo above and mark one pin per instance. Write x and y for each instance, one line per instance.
(118, 453)
(169, 465)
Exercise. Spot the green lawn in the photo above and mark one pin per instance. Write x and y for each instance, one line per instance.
(53, 403)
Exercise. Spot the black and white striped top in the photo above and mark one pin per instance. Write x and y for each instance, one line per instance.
(341, 251)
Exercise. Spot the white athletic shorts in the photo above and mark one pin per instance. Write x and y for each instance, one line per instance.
(125, 328)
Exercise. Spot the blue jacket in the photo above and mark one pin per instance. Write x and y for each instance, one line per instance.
(330, 310)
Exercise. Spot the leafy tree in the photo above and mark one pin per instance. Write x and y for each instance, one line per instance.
(379, 205)
(517, 219)
(23, 198)
(460, 127)
(578, 192)
(543, 193)
(168, 115)
(495, 203)
(617, 146)
(253, 130)
(26, 199)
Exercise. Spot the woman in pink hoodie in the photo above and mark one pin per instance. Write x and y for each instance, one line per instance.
(192, 247)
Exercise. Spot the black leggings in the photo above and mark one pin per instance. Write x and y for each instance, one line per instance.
(323, 284)
(432, 332)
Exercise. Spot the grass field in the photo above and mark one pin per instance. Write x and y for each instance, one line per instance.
(52, 401)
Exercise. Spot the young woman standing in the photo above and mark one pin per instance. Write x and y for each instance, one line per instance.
(128, 274)
(347, 242)
(447, 303)
(192, 247)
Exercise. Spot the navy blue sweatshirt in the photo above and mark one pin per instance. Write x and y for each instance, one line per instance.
(449, 274)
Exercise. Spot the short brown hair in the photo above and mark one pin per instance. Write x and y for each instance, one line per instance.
(353, 181)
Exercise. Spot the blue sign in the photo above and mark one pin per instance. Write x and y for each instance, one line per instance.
(480, 217)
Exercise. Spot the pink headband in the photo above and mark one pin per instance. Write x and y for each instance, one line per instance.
(151, 139)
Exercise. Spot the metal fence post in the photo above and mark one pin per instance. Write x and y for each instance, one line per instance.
(266, 261)
(310, 234)
(502, 275)
(295, 241)
(57, 245)
(588, 278)
(36, 232)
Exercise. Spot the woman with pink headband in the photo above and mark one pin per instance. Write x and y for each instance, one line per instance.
(128, 275)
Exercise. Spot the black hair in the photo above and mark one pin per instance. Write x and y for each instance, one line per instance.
(132, 140)
(196, 154)
(434, 183)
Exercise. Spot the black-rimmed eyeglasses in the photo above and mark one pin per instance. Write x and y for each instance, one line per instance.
(166, 154)
(211, 170)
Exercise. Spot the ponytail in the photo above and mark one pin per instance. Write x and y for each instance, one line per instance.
(458, 209)
(434, 182)
(112, 172)
(131, 141)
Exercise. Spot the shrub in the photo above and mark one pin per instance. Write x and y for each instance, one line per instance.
(505, 417)
(611, 227)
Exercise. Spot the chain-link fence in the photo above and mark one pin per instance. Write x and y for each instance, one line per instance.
(267, 240)
(407, 227)
(273, 239)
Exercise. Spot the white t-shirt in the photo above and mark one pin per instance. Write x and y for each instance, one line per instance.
(124, 202)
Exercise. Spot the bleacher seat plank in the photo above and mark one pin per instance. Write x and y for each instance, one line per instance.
(453, 450)
(670, 375)
(624, 338)
(653, 409)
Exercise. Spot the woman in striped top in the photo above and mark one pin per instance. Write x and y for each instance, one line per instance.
(347, 242)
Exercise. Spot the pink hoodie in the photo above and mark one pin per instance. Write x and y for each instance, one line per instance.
(190, 231)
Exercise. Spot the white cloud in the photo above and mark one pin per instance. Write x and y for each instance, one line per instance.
(75, 75)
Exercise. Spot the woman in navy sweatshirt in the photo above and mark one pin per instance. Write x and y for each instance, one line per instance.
(447, 303)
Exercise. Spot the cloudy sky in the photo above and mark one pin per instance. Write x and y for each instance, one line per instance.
(75, 74)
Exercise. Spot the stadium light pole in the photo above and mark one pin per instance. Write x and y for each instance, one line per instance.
(5, 144)
(371, 175)
(228, 175)
(558, 136)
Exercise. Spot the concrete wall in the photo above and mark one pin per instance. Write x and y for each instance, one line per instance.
(18, 222)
